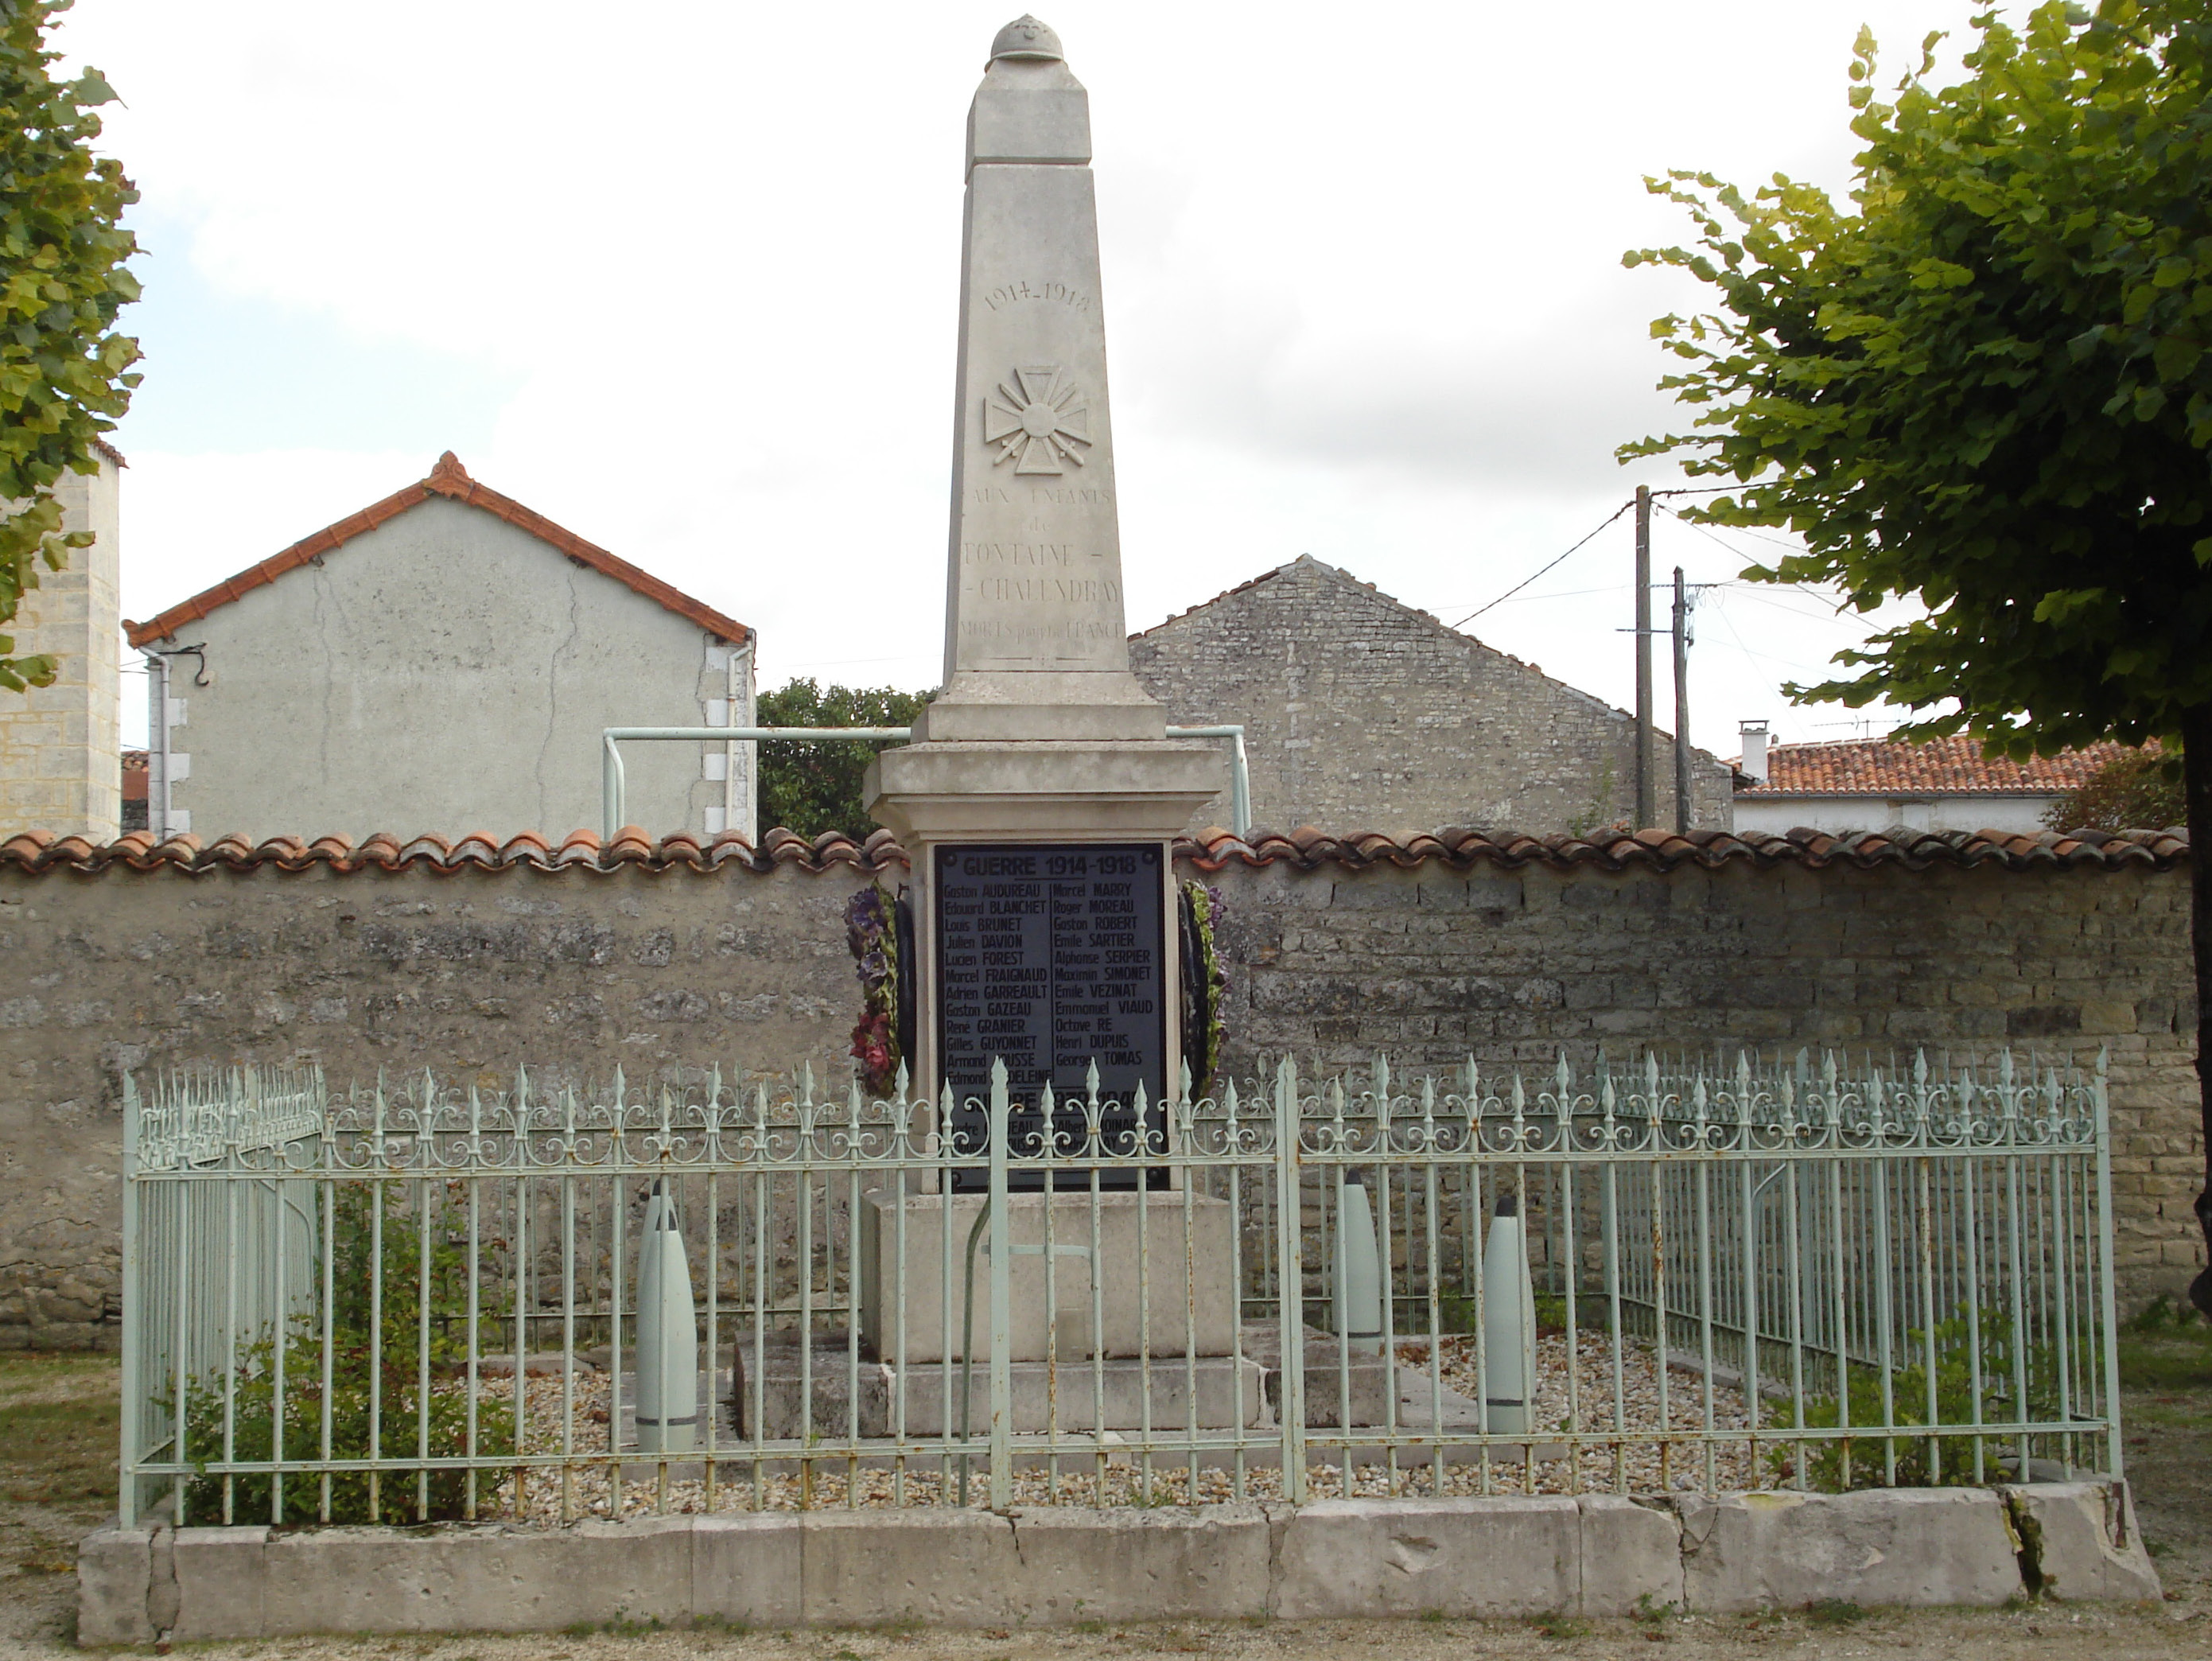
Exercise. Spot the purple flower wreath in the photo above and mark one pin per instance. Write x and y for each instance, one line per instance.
(872, 932)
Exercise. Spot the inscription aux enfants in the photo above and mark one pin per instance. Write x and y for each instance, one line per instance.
(1038, 501)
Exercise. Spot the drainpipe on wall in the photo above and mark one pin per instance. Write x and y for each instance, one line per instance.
(157, 746)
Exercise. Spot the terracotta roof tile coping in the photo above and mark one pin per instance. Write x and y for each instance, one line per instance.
(1213, 849)
(1460, 849)
(450, 479)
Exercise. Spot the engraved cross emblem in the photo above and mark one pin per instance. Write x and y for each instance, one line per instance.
(1038, 419)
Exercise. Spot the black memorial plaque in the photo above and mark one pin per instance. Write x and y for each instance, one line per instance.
(1050, 957)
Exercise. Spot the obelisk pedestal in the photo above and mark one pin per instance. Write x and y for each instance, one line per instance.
(1040, 798)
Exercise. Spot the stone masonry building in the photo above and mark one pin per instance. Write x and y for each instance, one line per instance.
(1358, 710)
(447, 659)
(61, 745)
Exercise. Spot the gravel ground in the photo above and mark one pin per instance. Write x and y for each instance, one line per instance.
(1641, 1467)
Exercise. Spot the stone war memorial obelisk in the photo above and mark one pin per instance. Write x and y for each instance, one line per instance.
(1041, 796)
(1042, 771)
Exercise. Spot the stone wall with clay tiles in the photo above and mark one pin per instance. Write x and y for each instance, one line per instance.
(1510, 948)
(669, 957)
(468, 961)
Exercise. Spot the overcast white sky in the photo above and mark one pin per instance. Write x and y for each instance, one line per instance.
(682, 277)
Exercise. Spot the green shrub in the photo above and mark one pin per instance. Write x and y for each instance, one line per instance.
(1857, 1462)
(386, 1354)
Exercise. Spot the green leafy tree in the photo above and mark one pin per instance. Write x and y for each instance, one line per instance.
(64, 374)
(810, 788)
(1983, 385)
(2136, 790)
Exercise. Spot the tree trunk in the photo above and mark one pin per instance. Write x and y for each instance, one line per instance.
(2197, 784)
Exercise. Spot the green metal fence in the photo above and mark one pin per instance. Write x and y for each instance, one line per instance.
(418, 1301)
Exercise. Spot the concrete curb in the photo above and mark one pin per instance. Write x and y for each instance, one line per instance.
(1598, 1555)
(1893, 1546)
(2079, 1541)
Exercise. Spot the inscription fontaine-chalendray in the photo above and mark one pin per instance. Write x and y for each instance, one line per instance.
(1038, 419)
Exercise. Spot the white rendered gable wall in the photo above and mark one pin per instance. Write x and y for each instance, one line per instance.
(1837, 814)
(444, 674)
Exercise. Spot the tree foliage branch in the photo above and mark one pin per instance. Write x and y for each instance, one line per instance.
(1984, 383)
(66, 373)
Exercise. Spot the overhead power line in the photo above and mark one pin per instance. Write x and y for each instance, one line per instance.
(1699, 526)
(1532, 575)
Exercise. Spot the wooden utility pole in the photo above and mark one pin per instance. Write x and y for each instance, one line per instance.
(1682, 705)
(1642, 657)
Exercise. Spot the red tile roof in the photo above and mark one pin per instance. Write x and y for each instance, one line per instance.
(1891, 767)
(450, 479)
(1307, 848)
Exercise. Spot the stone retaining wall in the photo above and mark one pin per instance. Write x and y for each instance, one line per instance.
(472, 961)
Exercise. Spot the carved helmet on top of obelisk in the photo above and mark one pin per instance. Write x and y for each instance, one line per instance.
(1027, 37)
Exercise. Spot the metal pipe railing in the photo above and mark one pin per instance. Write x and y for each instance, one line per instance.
(614, 804)
(1240, 775)
(613, 787)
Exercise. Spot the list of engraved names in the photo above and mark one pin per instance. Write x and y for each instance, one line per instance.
(1050, 957)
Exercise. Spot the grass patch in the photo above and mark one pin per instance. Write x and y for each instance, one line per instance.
(1558, 1627)
(1834, 1612)
(625, 1625)
(59, 1430)
(2166, 1348)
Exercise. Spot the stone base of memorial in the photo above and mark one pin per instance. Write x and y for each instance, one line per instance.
(1165, 1254)
(1044, 923)
(1183, 1280)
